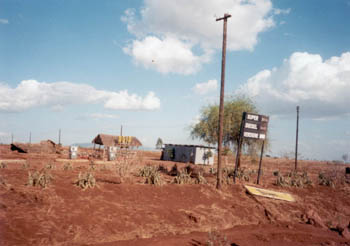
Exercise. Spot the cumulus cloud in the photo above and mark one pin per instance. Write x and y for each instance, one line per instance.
(168, 55)
(4, 21)
(191, 25)
(281, 11)
(31, 93)
(206, 87)
(320, 87)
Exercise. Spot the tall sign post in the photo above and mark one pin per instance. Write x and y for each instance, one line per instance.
(253, 126)
(296, 141)
(222, 91)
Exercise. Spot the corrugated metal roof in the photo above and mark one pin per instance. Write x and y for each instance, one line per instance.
(190, 145)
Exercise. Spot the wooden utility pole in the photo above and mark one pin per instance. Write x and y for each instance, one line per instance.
(59, 136)
(121, 130)
(30, 137)
(11, 138)
(222, 94)
(296, 141)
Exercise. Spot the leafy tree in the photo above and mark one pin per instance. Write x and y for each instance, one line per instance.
(207, 129)
(345, 157)
(159, 143)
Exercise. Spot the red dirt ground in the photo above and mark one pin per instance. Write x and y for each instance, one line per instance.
(126, 211)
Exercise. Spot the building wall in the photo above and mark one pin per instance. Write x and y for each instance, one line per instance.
(191, 154)
(203, 157)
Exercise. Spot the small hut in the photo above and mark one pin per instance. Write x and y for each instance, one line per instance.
(116, 141)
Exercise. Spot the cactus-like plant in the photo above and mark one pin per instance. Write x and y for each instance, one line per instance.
(41, 178)
(183, 177)
(86, 180)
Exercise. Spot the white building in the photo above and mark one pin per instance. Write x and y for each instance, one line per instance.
(196, 154)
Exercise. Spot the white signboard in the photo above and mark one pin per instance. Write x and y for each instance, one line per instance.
(251, 126)
(251, 135)
(252, 117)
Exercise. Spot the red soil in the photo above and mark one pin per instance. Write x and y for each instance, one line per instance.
(126, 211)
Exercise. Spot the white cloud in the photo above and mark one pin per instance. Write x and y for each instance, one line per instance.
(191, 25)
(31, 93)
(4, 21)
(281, 11)
(206, 87)
(168, 55)
(97, 116)
(320, 87)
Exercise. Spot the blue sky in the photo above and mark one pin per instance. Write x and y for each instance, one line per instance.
(89, 66)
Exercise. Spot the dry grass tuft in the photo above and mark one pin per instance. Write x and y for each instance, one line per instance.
(41, 178)
(3, 165)
(216, 239)
(151, 174)
(183, 177)
(86, 180)
(67, 166)
(293, 179)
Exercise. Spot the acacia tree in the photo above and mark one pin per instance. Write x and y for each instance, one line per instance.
(207, 129)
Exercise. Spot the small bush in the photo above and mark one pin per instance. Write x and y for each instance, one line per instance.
(244, 174)
(216, 239)
(276, 173)
(293, 179)
(162, 169)
(2, 181)
(332, 178)
(41, 178)
(173, 171)
(25, 165)
(92, 166)
(86, 180)
(151, 175)
(183, 177)
(68, 166)
(50, 166)
(200, 179)
(212, 170)
(3, 165)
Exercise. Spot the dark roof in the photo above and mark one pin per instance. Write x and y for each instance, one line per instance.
(190, 145)
(111, 140)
